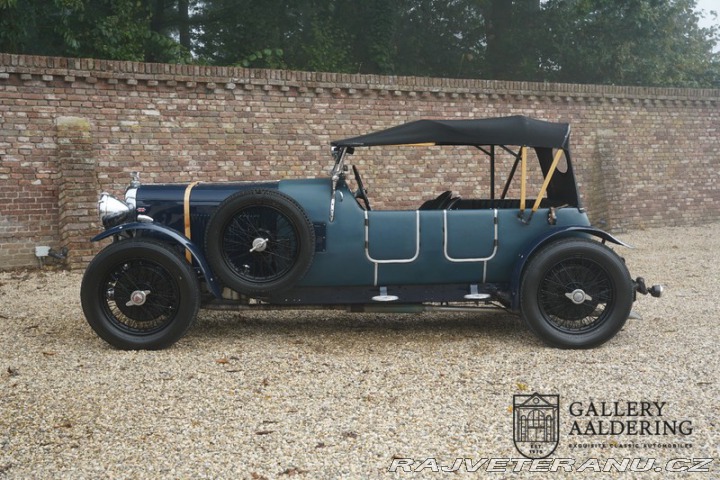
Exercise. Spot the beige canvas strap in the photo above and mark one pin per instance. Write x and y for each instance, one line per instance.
(549, 175)
(186, 214)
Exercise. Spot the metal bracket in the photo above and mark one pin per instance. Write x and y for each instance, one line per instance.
(384, 297)
(475, 295)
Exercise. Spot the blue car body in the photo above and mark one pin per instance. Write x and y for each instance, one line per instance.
(448, 251)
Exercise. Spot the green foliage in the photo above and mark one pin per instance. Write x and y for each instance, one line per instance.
(635, 42)
(115, 29)
(440, 38)
(267, 57)
(110, 29)
(628, 42)
(322, 48)
(36, 26)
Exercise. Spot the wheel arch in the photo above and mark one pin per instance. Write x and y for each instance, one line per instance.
(553, 235)
(174, 236)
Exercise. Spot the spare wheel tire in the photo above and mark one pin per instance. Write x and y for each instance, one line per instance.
(260, 241)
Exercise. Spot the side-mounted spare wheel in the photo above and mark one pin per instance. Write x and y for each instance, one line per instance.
(260, 241)
(140, 294)
(576, 293)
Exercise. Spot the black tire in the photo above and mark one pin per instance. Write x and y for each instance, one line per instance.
(169, 292)
(598, 277)
(260, 241)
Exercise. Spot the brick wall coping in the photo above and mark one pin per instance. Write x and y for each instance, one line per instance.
(70, 70)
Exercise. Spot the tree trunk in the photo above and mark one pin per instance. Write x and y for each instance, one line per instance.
(184, 23)
(511, 38)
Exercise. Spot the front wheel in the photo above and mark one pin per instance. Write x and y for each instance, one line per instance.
(576, 293)
(139, 294)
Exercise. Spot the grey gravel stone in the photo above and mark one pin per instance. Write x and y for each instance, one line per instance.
(339, 395)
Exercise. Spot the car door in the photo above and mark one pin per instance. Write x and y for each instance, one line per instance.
(430, 246)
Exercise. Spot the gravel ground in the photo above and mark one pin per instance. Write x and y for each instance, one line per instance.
(339, 395)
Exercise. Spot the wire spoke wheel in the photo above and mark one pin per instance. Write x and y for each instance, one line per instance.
(160, 294)
(280, 246)
(569, 276)
(575, 293)
(259, 242)
(140, 294)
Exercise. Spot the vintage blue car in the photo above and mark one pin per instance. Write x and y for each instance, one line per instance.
(316, 243)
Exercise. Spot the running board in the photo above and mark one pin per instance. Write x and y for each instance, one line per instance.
(356, 308)
(383, 293)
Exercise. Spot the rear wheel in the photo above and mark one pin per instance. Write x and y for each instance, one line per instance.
(576, 293)
(260, 241)
(139, 294)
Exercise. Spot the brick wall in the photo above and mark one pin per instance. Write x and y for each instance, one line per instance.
(644, 157)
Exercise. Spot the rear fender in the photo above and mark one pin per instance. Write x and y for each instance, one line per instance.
(543, 240)
(174, 236)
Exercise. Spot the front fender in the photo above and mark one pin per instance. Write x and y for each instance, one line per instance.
(542, 240)
(175, 236)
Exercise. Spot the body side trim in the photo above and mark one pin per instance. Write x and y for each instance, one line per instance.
(458, 260)
(398, 260)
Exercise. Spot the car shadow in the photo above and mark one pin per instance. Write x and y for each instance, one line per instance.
(332, 329)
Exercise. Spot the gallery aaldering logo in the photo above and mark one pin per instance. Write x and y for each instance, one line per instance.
(536, 424)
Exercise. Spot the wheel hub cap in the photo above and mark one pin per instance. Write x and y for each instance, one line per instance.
(578, 296)
(259, 245)
(137, 298)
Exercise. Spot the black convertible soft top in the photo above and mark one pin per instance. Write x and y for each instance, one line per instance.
(517, 130)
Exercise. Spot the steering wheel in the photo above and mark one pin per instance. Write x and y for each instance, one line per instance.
(361, 193)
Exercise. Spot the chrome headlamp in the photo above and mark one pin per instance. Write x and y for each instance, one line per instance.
(131, 190)
(112, 211)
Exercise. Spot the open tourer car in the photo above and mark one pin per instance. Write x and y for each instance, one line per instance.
(317, 243)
